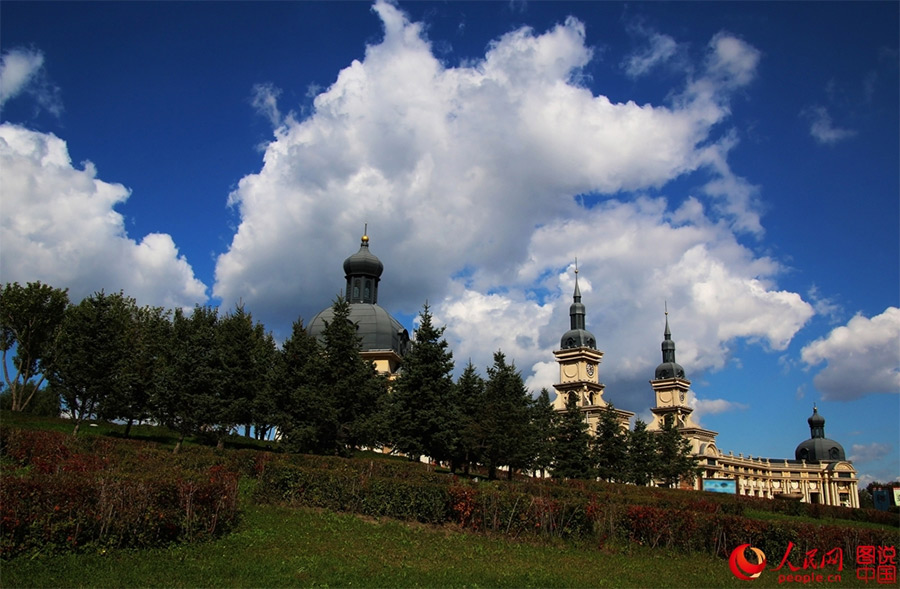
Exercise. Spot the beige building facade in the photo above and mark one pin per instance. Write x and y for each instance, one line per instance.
(818, 473)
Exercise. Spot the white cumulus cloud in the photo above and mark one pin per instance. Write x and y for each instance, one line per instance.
(468, 178)
(58, 224)
(862, 357)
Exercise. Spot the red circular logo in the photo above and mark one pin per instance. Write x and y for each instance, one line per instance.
(742, 568)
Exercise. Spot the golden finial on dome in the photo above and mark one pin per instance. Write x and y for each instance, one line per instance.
(365, 237)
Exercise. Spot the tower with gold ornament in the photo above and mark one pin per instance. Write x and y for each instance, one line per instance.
(579, 363)
(383, 340)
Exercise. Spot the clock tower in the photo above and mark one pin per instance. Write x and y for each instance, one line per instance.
(579, 361)
(673, 398)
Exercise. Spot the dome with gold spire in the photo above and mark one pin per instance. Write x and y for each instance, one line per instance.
(377, 329)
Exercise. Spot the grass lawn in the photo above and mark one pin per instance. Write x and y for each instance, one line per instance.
(281, 547)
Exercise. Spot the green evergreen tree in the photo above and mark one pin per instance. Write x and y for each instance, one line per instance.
(641, 455)
(30, 320)
(351, 383)
(468, 398)
(504, 424)
(543, 417)
(264, 406)
(186, 402)
(89, 360)
(308, 419)
(244, 367)
(610, 446)
(146, 337)
(423, 417)
(674, 452)
(571, 443)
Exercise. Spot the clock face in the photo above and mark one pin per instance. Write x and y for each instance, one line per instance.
(590, 370)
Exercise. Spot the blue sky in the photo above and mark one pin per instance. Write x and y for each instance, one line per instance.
(735, 161)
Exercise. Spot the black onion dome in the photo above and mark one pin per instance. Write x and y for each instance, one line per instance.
(577, 336)
(816, 421)
(363, 262)
(669, 367)
(818, 448)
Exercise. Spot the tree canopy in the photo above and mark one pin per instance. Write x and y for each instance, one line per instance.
(30, 320)
(201, 372)
(423, 416)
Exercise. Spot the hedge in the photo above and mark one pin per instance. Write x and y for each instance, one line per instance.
(58, 493)
(688, 522)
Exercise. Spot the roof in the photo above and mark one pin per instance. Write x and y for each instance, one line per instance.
(376, 327)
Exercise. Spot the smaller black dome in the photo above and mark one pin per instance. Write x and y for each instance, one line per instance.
(363, 262)
(816, 420)
(669, 370)
(818, 448)
(577, 338)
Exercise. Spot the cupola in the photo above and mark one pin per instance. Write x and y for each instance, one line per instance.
(818, 448)
(577, 336)
(669, 367)
(363, 272)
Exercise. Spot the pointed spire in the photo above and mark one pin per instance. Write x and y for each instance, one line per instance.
(669, 367)
(576, 310)
(577, 295)
(667, 335)
(577, 336)
(668, 346)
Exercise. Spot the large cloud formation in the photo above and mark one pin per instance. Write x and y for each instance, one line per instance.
(65, 230)
(862, 357)
(482, 182)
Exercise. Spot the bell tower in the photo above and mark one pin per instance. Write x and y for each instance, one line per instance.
(674, 396)
(579, 361)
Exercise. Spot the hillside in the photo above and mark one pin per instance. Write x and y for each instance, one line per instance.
(100, 510)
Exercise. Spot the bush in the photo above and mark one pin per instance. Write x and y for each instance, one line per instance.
(72, 494)
(343, 489)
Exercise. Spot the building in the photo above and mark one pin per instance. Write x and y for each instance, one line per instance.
(819, 472)
(384, 340)
(579, 374)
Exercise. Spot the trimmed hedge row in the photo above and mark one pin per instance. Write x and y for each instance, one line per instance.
(61, 493)
(58, 493)
(574, 490)
(345, 490)
(603, 514)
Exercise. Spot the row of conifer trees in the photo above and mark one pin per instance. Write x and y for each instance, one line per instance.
(107, 358)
